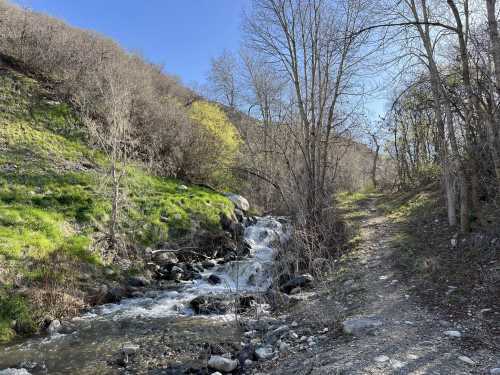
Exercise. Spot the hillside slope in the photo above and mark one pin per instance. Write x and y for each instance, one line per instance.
(54, 206)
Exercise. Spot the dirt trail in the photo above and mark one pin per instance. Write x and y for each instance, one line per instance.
(411, 339)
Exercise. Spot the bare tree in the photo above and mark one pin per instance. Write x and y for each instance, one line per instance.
(112, 130)
(311, 43)
(222, 79)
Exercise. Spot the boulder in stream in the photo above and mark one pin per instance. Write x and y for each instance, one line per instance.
(138, 281)
(214, 279)
(54, 327)
(209, 305)
(239, 201)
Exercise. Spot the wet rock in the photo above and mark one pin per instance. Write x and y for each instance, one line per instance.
(209, 305)
(357, 326)
(245, 302)
(297, 282)
(138, 281)
(221, 363)
(15, 371)
(33, 367)
(214, 279)
(239, 201)
(273, 336)
(172, 273)
(209, 264)
(246, 353)
(264, 352)
(227, 223)
(165, 257)
(54, 327)
(136, 294)
(115, 295)
(495, 371)
(240, 215)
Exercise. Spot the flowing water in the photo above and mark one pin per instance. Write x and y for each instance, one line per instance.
(163, 320)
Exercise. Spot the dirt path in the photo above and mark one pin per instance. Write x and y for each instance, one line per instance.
(410, 339)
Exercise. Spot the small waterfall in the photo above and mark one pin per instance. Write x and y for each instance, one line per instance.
(252, 274)
(97, 336)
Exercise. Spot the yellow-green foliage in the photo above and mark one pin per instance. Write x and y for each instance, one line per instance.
(222, 140)
(215, 121)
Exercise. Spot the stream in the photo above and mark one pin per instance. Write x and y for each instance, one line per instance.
(162, 324)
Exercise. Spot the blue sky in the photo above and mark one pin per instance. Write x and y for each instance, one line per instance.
(181, 34)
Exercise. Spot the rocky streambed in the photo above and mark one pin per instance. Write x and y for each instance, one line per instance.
(202, 317)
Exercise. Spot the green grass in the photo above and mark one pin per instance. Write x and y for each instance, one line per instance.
(14, 314)
(54, 195)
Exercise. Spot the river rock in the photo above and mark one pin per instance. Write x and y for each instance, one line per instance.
(175, 273)
(466, 359)
(220, 363)
(138, 281)
(209, 263)
(453, 333)
(115, 295)
(357, 326)
(284, 347)
(239, 201)
(273, 336)
(209, 305)
(54, 327)
(15, 371)
(264, 352)
(165, 257)
(214, 279)
(297, 282)
(246, 353)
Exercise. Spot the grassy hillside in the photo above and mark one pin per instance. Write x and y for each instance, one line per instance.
(54, 205)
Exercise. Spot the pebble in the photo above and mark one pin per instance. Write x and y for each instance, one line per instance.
(381, 358)
(264, 352)
(14, 371)
(467, 360)
(358, 325)
(397, 364)
(218, 362)
(453, 333)
(284, 347)
(130, 349)
(495, 371)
